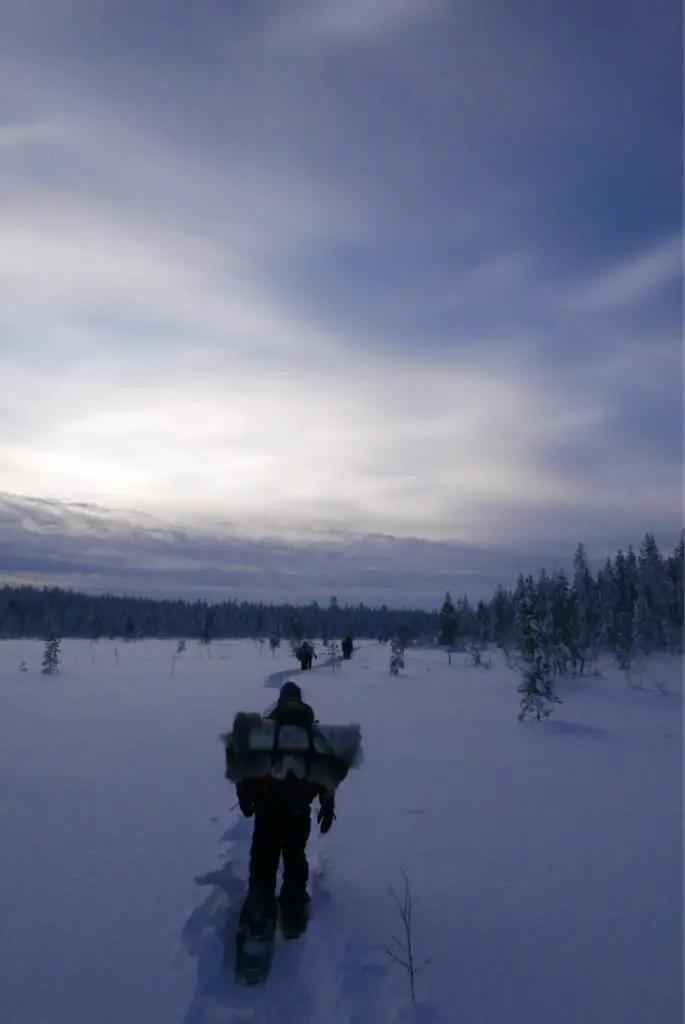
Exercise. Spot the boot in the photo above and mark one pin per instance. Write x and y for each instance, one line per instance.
(258, 913)
(293, 912)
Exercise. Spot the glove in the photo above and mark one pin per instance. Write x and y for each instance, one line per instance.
(326, 815)
(246, 802)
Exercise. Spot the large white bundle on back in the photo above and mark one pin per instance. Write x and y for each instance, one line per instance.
(257, 747)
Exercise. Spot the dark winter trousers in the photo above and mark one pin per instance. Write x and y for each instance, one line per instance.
(306, 662)
(280, 830)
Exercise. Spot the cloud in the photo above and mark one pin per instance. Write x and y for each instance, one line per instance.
(352, 20)
(245, 407)
(635, 280)
(409, 287)
(438, 450)
(96, 550)
(12, 136)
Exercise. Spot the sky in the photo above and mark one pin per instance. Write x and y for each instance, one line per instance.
(398, 268)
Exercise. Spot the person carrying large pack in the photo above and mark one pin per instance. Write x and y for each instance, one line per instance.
(304, 654)
(280, 763)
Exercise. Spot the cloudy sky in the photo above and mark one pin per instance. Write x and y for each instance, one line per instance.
(400, 267)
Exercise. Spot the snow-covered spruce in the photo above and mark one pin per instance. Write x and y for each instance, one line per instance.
(334, 653)
(51, 655)
(449, 626)
(535, 647)
(396, 656)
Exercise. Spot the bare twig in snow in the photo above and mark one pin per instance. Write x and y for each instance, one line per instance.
(406, 956)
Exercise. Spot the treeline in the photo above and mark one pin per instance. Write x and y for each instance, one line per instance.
(38, 612)
(635, 601)
(633, 605)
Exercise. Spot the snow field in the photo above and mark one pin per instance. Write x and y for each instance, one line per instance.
(546, 858)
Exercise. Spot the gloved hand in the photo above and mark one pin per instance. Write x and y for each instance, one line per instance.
(326, 815)
(246, 801)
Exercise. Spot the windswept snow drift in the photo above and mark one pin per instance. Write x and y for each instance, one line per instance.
(546, 857)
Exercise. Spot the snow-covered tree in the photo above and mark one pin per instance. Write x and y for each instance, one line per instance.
(206, 631)
(560, 622)
(652, 601)
(334, 653)
(449, 626)
(396, 655)
(483, 624)
(619, 590)
(95, 627)
(502, 618)
(537, 685)
(51, 655)
(587, 611)
(674, 567)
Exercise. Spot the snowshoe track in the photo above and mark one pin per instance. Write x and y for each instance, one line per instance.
(327, 974)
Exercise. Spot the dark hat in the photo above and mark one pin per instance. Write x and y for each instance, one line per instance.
(290, 691)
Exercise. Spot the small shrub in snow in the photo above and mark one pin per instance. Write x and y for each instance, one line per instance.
(334, 654)
(51, 655)
(536, 689)
(474, 656)
(537, 686)
(23, 667)
(396, 656)
(406, 956)
(180, 649)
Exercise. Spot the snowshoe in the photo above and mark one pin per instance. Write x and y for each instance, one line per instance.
(256, 938)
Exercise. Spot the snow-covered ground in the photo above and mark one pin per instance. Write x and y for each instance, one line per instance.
(546, 857)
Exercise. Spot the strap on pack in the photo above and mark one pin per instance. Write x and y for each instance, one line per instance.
(311, 750)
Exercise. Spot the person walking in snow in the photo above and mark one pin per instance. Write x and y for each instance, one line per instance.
(282, 825)
(304, 654)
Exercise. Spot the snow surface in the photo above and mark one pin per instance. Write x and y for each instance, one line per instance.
(546, 858)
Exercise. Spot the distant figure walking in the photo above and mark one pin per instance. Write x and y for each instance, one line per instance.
(305, 654)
